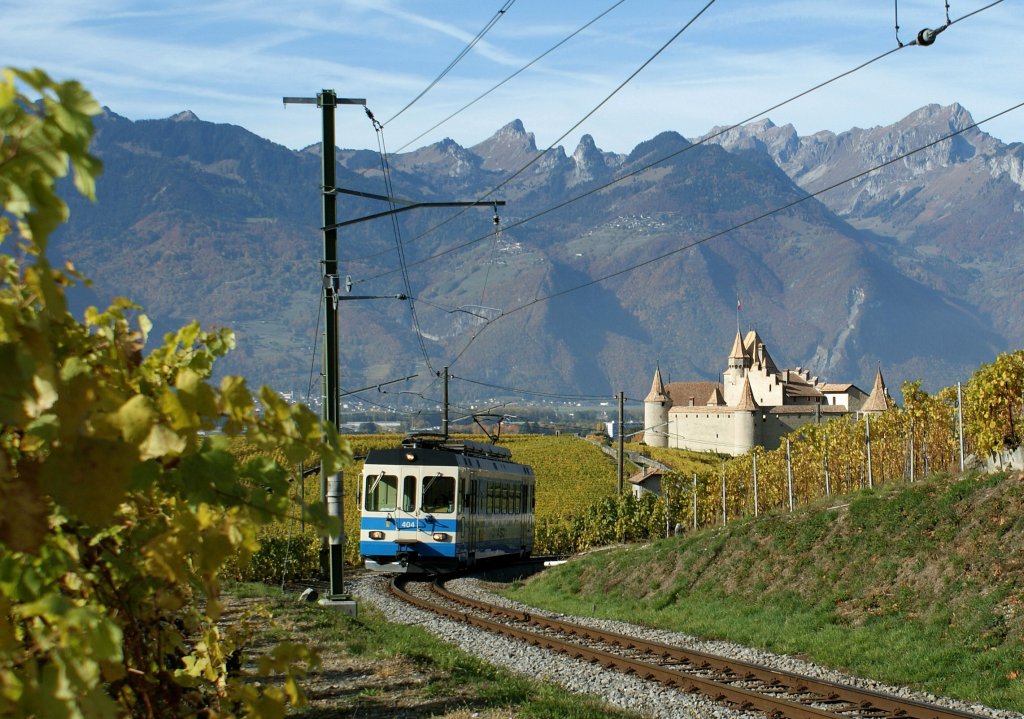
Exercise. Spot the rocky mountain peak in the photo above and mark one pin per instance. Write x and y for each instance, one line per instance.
(954, 117)
(588, 161)
(184, 116)
(446, 157)
(507, 149)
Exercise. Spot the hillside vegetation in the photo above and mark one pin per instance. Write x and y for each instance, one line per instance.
(919, 584)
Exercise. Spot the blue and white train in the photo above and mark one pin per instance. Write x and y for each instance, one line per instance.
(438, 504)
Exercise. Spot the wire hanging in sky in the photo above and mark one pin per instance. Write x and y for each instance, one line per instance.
(465, 51)
(530, 392)
(733, 228)
(583, 119)
(639, 170)
(628, 175)
(397, 228)
(532, 62)
(671, 155)
(633, 173)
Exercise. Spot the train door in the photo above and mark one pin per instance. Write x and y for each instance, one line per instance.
(468, 524)
(525, 530)
(405, 514)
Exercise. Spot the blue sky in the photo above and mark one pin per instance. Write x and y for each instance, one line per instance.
(231, 61)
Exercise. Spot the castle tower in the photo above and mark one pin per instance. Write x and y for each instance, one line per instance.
(656, 406)
(736, 372)
(745, 421)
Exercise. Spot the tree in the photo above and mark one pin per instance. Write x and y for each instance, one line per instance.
(121, 503)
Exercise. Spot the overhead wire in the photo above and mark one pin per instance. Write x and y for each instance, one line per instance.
(525, 67)
(528, 392)
(586, 117)
(397, 229)
(658, 161)
(633, 173)
(465, 51)
(733, 228)
(316, 340)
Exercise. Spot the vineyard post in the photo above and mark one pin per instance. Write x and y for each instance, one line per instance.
(723, 495)
(911, 450)
(621, 428)
(960, 423)
(828, 485)
(753, 457)
(695, 501)
(789, 474)
(867, 447)
(665, 484)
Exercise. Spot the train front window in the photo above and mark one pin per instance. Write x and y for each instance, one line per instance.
(381, 492)
(438, 494)
(409, 494)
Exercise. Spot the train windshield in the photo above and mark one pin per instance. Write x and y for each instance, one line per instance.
(438, 494)
(381, 492)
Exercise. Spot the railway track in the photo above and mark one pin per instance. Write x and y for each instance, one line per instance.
(734, 683)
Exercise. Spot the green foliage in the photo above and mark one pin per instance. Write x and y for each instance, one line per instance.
(122, 504)
(993, 403)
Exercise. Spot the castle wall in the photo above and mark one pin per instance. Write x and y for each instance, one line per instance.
(713, 429)
(710, 429)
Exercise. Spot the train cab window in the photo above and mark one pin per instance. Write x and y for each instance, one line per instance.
(409, 494)
(381, 492)
(438, 494)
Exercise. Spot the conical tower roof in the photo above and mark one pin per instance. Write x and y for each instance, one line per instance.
(716, 399)
(738, 351)
(878, 400)
(758, 352)
(746, 403)
(657, 393)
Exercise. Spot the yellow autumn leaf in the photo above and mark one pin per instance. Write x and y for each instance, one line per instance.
(161, 442)
(135, 418)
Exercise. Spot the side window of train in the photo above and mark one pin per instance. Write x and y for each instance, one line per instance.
(409, 494)
(438, 494)
(381, 492)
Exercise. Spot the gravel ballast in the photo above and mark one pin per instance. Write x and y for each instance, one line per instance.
(623, 691)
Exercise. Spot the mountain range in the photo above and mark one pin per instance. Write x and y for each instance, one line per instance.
(585, 285)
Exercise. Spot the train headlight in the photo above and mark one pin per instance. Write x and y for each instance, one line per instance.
(376, 534)
(440, 536)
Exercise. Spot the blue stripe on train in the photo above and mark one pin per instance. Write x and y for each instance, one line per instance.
(410, 523)
(412, 528)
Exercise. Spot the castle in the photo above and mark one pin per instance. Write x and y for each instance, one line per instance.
(755, 404)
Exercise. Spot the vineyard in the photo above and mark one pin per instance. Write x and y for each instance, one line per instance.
(903, 444)
(577, 506)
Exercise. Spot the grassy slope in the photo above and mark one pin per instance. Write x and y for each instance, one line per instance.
(374, 669)
(920, 585)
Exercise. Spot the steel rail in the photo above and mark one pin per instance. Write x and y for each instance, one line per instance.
(796, 683)
(718, 691)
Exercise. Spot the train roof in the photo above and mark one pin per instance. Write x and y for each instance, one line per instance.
(425, 440)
